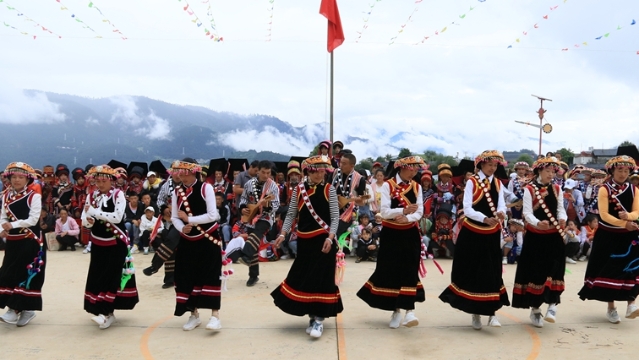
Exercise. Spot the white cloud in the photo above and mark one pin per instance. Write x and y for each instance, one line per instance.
(20, 107)
(150, 126)
(268, 140)
(93, 121)
(158, 128)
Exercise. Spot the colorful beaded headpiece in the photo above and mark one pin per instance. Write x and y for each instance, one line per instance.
(19, 168)
(623, 161)
(426, 174)
(102, 172)
(563, 165)
(184, 167)
(415, 162)
(121, 172)
(545, 162)
(326, 144)
(598, 172)
(444, 169)
(521, 164)
(47, 171)
(490, 155)
(315, 163)
(293, 168)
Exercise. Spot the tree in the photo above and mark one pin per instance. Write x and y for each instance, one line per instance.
(404, 152)
(567, 155)
(365, 164)
(434, 158)
(315, 151)
(626, 143)
(526, 158)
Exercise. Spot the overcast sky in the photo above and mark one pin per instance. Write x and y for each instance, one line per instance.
(459, 91)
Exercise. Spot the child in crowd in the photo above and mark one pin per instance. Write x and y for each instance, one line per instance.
(572, 241)
(147, 224)
(366, 246)
(587, 234)
(377, 226)
(442, 237)
(513, 238)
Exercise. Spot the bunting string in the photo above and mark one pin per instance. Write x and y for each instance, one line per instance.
(28, 19)
(77, 19)
(209, 13)
(196, 20)
(366, 18)
(535, 26)
(18, 30)
(105, 20)
(403, 26)
(600, 37)
(269, 31)
(437, 32)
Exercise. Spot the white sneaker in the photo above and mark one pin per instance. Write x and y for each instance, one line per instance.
(613, 316)
(570, 261)
(86, 250)
(504, 260)
(317, 330)
(25, 317)
(310, 325)
(135, 250)
(108, 320)
(583, 258)
(632, 311)
(396, 319)
(214, 324)
(536, 318)
(194, 321)
(100, 319)
(476, 322)
(551, 314)
(410, 319)
(146, 251)
(493, 322)
(10, 317)
(285, 257)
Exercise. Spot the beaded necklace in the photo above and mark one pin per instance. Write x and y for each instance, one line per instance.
(309, 206)
(187, 208)
(485, 188)
(543, 205)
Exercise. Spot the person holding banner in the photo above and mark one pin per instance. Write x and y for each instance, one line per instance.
(110, 281)
(395, 284)
(198, 261)
(24, 263)
(310, 286)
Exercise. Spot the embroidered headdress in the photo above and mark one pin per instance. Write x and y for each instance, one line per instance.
(521, 164)
(102, 171)
(410, 162)
(293, 168)
(623, 161)
(120, 172)
(185, 166)
(444, 169)
(315, 163)
(549, 161)
(426, 174)
(20, 168)
(490, 155)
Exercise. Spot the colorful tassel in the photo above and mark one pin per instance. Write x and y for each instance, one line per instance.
(340, 267)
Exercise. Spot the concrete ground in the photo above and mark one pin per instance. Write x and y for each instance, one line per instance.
(254, 328)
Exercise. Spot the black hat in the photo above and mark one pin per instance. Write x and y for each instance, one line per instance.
(338, 143)
(445, 208)
(219, 164)
(299, 159)
(77, 173)
(61, 169)
(281, 166)
(465, 166)
(389, 168)
(630, 150)
(236, 165)
(501, 172)
(157, 167)
(142, 169)
(88, 167)
(114, 164)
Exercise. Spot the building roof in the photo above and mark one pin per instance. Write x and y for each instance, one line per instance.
(604, 152)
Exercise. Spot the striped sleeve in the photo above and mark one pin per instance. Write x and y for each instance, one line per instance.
(332, 202)
(291, 214)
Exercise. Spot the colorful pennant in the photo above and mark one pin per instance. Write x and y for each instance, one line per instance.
(18, 30)
(77, 19)
(535, 26)
(196, 20)
(105, 20)
(209, 13)
(28, 19)
(366, 18)
(269, 33)
(403, 26)
(600, 37)
(437, 32)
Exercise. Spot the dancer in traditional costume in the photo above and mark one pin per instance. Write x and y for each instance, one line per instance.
(541, 265)
(612, 273)
(111, 279)
(476, 285)
(262, 194)
(395, 284)
(309, 288)
(198, 261)
(22, 271)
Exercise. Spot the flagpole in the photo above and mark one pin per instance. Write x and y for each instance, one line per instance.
(331, 98)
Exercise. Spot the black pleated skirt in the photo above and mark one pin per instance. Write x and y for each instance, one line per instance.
(309, 287)
(14, 294)
(395, 283)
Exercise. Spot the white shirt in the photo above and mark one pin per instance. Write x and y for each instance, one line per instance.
(391, 213)
(34, 214)
(146, 224)
(114, 217)
(528, 208)
(211, 214)
(473, 214)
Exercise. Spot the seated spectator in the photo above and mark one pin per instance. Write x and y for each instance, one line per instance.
(152, 183)
(366, 247)
(225, 217)
(132, 215)
(512, 240)
(66, 230)
(571, 239)
(586, 236)
(47, 221)
(147, 200)
(377, 227)
(442, 244)
(147, 224)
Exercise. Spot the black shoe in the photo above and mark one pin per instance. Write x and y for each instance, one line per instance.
(359, 260)
(166, 286)
(149, 271)
(72, 247)
(372, 259)
(245, 260)
(62, 248)
(252, 281)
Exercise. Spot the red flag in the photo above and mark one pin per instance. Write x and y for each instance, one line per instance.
(156, 229)
(329, 10)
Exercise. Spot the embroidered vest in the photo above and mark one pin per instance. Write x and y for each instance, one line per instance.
(18, 209)
(197, 206)
(99, 229)
(480, 204)
(307, 226)
(625, 198)
(401, 196)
